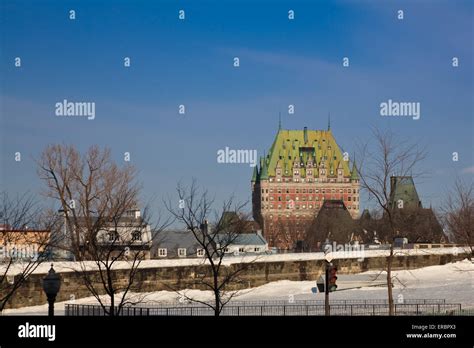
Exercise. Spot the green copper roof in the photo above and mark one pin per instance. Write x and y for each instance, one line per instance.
(289, 147)
(403, 188)
(264, 170)
(255, 174)
(354, 174)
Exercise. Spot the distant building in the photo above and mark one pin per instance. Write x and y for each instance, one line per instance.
(183, 243)
(412, 222)
(23, 244)
(126, 236)
(417, 224)
(302, 169)
(403, 194)
(175, 244)
(333, 223)
(247, 243)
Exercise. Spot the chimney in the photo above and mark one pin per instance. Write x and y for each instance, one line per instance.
(305, 130)
(393, 181)
(204, 227)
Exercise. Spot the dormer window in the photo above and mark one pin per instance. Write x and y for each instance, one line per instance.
(113, 236)
(136, 236)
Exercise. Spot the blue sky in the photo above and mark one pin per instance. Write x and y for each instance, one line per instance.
(190, 62)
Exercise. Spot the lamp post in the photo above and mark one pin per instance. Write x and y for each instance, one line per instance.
(327, 308)
(51, 285)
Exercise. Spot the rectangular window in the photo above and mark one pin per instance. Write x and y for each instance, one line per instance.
(181, 252)
(241, 250)
(162, 252)
(256, 249)
(200, 252)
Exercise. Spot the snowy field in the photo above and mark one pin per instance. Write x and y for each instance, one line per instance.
(453, 282)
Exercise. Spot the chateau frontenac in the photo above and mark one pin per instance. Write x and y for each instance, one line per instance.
(302, 169)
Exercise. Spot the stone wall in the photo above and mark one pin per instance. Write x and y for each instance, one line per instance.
(254, 274)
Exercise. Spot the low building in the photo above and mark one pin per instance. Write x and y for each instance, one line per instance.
(183, 244)
(245, 243)
(175, 244)
(124, 237)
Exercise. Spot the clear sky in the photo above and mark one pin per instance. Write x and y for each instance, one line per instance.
(190, 62)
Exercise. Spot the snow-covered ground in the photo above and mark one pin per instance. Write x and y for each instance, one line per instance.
(453, 282)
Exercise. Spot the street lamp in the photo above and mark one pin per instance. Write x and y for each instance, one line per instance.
(51, 285)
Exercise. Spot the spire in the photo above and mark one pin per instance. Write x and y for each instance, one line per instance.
(264, 171)
(279, 121)
(255, 174)
(354, 175)
(329, 121)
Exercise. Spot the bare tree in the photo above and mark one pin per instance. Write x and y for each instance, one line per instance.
(286, 233)
(25, 238)
(458, 213)
(215, 239)
(389, 156)
(102, 223)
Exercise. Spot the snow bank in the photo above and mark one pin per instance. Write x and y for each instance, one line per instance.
(69, 266)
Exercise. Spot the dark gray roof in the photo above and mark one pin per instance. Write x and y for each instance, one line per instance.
(244, 239)
(174, 239)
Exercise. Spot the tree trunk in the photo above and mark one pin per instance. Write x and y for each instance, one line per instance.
(217, 296)
(112, 305)
(389, 282)
(217, 308)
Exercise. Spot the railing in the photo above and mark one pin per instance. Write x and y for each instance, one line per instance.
(367, 309)
(186, 303)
